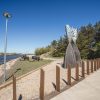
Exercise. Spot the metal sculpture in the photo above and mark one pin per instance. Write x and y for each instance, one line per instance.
(72, 55)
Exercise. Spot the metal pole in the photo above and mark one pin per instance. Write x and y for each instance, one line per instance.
(5, 50)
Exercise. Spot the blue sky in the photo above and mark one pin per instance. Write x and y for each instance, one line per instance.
(35, 23)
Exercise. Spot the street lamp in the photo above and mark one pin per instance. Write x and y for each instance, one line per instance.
(7, 16)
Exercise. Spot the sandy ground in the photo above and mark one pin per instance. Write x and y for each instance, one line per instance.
(9, 64)
(29, 85)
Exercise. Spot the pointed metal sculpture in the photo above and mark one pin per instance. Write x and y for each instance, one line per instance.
(72, 56)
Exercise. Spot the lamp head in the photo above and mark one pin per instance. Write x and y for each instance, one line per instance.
(7, 15)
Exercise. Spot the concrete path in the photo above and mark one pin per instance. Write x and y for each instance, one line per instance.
(88, 89)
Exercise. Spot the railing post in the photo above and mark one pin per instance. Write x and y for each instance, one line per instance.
(58, 78)
(94, 65)
(83, 69)
(42, 78)
(88, 67)
(77, 72)
(91, 66)
(14, 88)
(69, 74)
(99, 62)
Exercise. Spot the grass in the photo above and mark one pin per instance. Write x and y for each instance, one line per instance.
(50, 56)
(23, 67)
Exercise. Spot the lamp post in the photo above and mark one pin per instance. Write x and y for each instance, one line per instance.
(7, 16)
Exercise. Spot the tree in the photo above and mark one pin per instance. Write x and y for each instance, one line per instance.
(88, 42)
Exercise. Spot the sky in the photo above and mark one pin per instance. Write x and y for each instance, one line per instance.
(35, 23)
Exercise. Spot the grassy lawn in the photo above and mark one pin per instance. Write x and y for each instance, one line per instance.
(23, 67)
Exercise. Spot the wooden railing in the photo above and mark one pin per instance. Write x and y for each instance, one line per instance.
(91, 66)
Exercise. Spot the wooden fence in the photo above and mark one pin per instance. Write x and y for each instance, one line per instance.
(91, 66)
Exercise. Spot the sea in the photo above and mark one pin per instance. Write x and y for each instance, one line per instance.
(8, 58)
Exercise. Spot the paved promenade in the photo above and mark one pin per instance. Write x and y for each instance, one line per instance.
(88, 89)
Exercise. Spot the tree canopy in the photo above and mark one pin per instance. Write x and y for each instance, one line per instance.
(88, 42)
